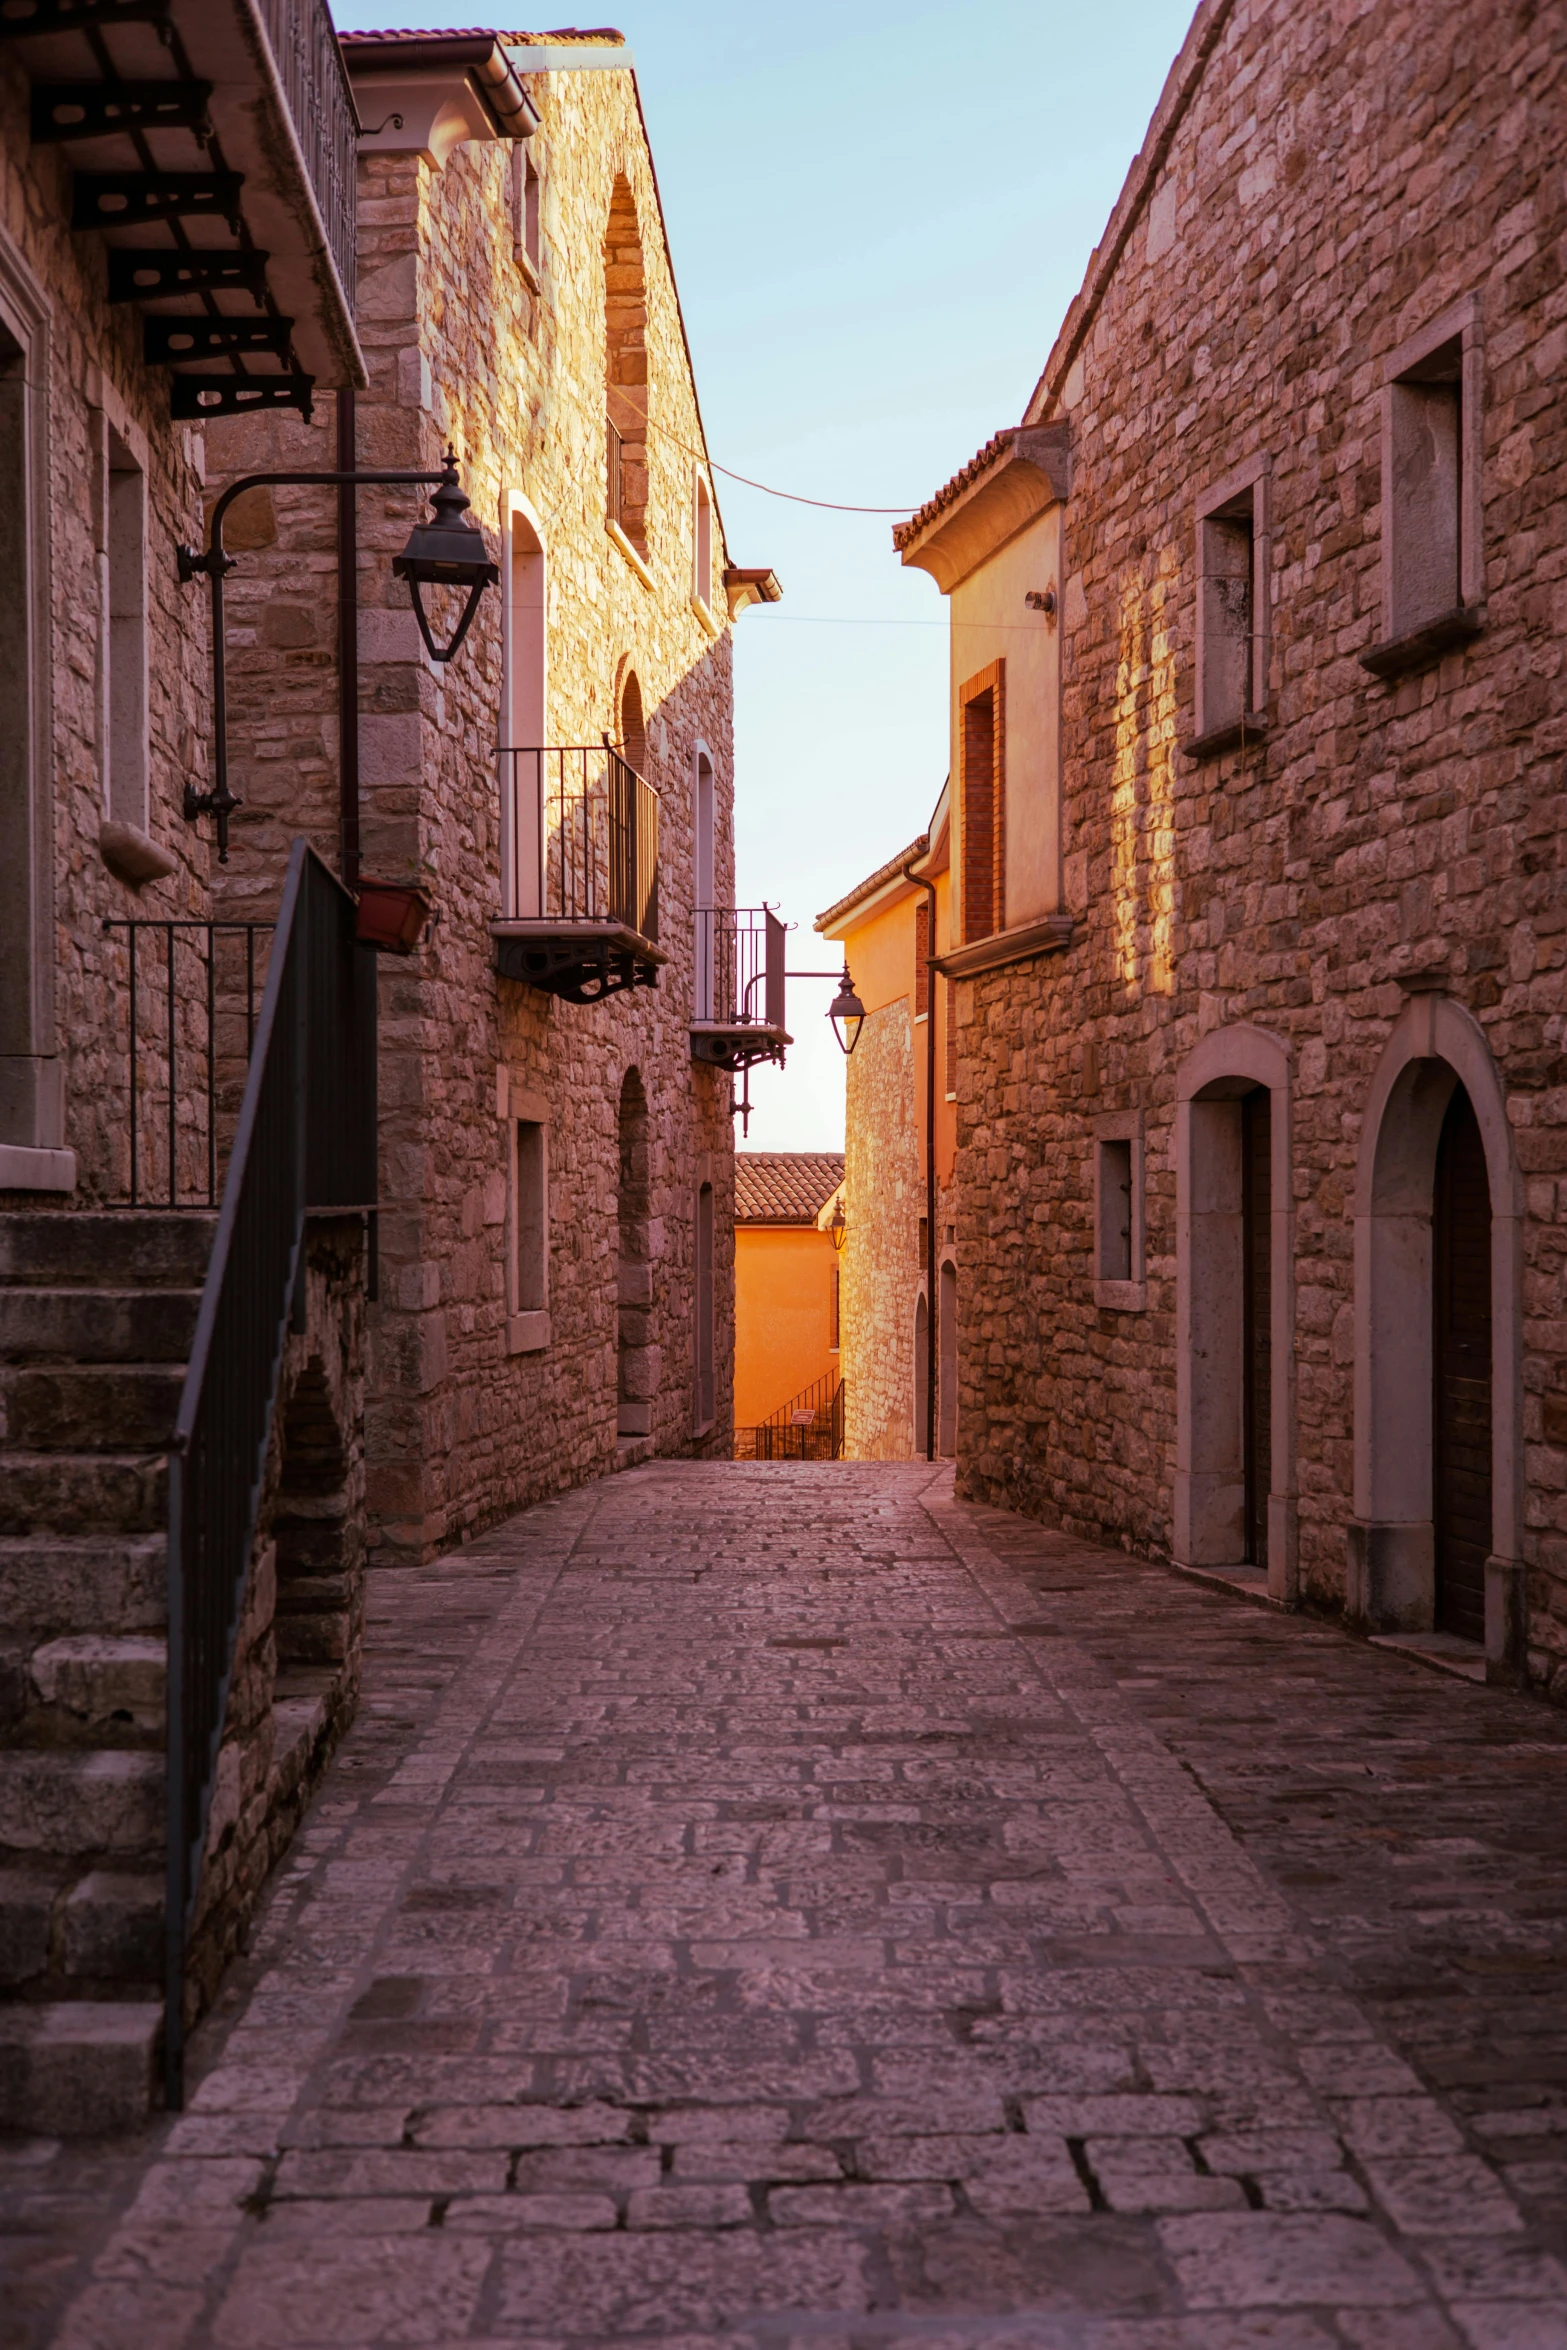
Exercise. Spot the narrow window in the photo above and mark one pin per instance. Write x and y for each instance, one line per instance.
(952, 1040)
(706, 1333)
(633, 725)
(836, 1311)
(922, 959)
(1425, 430)
(1433, 567)
(1229, 604)
(702, 581)
(126, 735)
(706, 942)
(1119, 1282)
(531, 1280)
(625, 368)
(527, 230)
(1115, 1211)
(982, 772)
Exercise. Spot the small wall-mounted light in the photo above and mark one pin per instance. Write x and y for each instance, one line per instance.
(448, 552)
(837, 1225)
(1042, 600)
(847, 1014)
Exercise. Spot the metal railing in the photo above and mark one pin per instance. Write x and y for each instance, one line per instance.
(739, 966)
(192, 1019)
(579, 838)
(306, 1141)
(315, 83)
(809, 1427)
(615, 472)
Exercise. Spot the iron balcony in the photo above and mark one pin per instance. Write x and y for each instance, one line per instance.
(579, 864)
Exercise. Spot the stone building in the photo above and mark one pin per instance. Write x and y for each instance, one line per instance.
(1262, 965)
(556, 1260)
(788, 1242)
(176, 248)
(901, 1100)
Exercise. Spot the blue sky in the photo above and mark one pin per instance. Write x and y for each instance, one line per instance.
(878, 217)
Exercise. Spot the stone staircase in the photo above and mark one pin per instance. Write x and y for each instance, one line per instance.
(97, 1314)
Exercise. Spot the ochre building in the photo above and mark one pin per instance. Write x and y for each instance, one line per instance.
(787, 1279)
(1257, 726)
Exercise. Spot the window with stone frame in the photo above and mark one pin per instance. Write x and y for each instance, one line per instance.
(1233, 564)
(702, 544)
(982, 800)
(125, 637)
(625, 369)
(529, 1282)
(1433, 571)
(527, 213)
(1118, 1270)
(706, 1404)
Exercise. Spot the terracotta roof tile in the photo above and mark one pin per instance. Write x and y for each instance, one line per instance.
(874, 881)
(902, 532)
(785, 1187)
(567, 36)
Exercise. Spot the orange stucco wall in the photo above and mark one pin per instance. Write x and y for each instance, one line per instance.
(783, 1316)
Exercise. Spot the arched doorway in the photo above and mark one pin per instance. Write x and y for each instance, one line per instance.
(1461, 1372)
(1234, 1481)
(947, 1368)
(1435, 1540)
(632, 725)
(921, 1377)
(636, 1355)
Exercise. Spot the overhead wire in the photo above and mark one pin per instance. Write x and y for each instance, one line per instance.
(793, 497)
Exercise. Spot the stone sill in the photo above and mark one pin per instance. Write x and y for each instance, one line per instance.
(527, 1334)
(614, 531)
(1007, 946)
(1121, 1297)
(1253, 728)
(1419, 647)
(707, 617)
(22, 1168)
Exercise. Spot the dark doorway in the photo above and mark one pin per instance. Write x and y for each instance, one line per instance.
(1257, 1315)
(1461, 1370)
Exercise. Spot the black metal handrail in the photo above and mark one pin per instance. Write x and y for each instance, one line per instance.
(809, 1427)
(740, 966)
(160, 1091)
(315, 83)
(306, 1140)
(580, 838)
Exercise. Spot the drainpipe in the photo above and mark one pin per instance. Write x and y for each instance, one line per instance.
(929, 887)
(347, 645)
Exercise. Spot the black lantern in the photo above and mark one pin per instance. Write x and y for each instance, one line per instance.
(448, 552)
(847, 1014)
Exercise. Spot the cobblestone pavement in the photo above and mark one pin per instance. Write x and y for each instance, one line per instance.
(778, 1907)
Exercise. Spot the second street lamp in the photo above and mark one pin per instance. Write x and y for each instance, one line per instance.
(448, 552)
(847, 1014)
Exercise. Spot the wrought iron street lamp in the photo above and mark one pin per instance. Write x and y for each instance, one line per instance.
(837, 1224)
(448, 550)
(847, 1014)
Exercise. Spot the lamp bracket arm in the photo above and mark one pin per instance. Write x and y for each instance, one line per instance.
(214, 561)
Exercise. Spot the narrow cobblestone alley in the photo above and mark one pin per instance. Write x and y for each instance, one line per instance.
(780, 1906)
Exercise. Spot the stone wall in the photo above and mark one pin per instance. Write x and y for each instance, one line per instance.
(295, 1682)
(1318, 186)
(90, 381)
(884, 1199)
(461, 1431)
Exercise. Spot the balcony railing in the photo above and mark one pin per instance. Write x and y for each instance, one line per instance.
(315, 83)
(739, 987)
(580, 838)
(809, 1427)
(192, 991)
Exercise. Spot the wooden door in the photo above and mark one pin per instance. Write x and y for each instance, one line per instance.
(1257, 1315)
(1461, 1368)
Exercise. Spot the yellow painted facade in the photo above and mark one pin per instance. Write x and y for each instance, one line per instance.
(785, 1333)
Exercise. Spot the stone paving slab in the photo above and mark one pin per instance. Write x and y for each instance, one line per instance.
(781, 1906)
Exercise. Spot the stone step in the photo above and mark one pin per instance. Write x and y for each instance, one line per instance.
(107, 1682)
(73, 1407)
(87, 1801)
(105, 1928)
(78, 2067)
(97, 1325)
(52, 1584)
(134, 1248)
(83, 1492)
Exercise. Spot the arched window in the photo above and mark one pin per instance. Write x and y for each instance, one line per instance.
(625, 368)
(702, 550)
(632, 726)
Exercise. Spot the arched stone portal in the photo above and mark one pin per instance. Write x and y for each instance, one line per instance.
(1404, 1316)
(637, 1356)
(1235, 1495)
